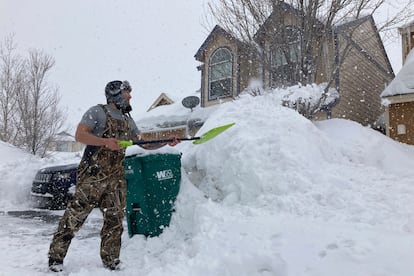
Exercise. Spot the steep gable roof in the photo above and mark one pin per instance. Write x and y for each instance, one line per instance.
(349, 26)
(215, 32)
(162, 99)
(271, 20)
(350, 23)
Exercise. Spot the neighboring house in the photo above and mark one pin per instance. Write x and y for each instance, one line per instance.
(157, 131)
(226, 69)
(183, 122)
(65, 142)
(228, 65)
(162, 99)
(398, 97)
(179, 131)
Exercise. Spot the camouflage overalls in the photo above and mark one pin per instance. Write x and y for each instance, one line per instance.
(100, 182)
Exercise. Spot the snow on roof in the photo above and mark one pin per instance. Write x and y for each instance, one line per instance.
(403, 83)
(167, 116)
(405, 26)
(161, 97)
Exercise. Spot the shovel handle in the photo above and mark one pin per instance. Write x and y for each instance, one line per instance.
(125, 144)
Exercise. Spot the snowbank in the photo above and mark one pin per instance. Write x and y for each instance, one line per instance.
(276, 194)
(275, 159)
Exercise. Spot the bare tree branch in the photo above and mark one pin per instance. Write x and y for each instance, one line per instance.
(11, 71)
(317, 19)
(29, 106)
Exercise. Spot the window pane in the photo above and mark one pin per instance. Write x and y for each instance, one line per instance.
(278, 58)
(221, 55)
(294, 50)
(220, 88)
(221, 71)
(221, 74)
(61, 146)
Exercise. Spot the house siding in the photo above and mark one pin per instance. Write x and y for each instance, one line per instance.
(249, 68)
(399, 98)
(401, 114)
(179, 132)
(362, 77)
(66, 146)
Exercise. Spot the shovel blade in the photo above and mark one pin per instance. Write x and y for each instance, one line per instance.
(212, 133)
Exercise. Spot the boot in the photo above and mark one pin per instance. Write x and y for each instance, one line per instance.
(113, 266)
(55, 265)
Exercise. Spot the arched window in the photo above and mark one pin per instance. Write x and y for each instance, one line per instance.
(220, 77)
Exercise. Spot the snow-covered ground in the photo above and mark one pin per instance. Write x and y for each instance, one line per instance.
(276, 194)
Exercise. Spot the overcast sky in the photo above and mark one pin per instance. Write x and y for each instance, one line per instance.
(151, 43)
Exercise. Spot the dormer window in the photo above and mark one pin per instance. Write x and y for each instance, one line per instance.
(221, 72)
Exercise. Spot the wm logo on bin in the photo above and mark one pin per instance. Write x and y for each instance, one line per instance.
(164, 175)
(129, 171)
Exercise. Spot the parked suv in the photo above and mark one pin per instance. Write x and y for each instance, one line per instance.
(53, 187)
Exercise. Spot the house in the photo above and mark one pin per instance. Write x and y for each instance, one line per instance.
(65, 142)
(363, 73)
(398, 96)
(354, 61)
(185, 122)
(162, 99)
(226, 67)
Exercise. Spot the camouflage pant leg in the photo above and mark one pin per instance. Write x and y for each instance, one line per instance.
(112, 205)
(86, 196)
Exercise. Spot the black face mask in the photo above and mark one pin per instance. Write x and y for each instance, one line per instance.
(113, 93)
(124, 107)
(127, 109)
(120, 103)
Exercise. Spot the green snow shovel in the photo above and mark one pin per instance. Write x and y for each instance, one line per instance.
(197, 140)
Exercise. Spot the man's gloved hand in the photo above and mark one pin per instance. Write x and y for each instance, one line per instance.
(174, 142)
(112, 144)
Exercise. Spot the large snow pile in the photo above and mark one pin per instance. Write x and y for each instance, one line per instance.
(274, 159)
(276, 194)
(17, 169)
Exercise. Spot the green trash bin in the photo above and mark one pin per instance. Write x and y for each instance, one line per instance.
(153, 182)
